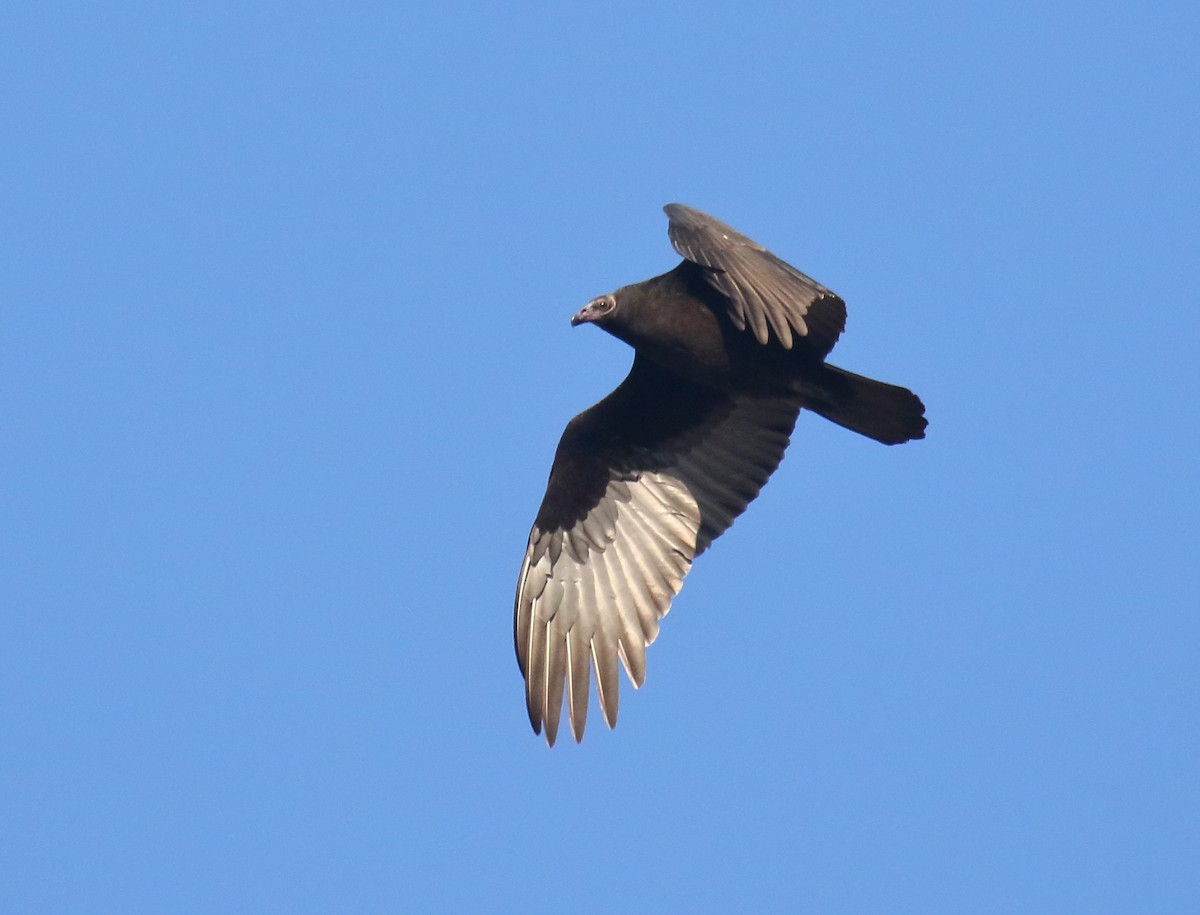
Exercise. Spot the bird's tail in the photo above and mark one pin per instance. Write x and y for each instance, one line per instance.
(884, 412)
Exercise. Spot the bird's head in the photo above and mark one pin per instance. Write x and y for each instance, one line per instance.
(597, 311)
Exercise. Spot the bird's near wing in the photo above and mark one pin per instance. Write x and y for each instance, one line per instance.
(641, 484)
(762, 292)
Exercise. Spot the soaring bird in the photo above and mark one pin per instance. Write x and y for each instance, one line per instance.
(729, 346)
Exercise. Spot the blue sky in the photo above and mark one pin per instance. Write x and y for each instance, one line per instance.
(284, 356)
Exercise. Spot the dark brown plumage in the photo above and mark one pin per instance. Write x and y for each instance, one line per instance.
(729, 347)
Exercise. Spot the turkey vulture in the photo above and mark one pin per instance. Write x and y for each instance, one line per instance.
(728, 347)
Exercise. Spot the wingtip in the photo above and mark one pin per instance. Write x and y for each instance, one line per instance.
(542, 728)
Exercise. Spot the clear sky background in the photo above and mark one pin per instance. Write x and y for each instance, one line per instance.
(284, 357)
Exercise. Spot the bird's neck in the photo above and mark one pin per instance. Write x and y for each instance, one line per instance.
(669, 320)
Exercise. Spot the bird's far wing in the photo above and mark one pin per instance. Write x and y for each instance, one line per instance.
(641, 483)
(763, 293)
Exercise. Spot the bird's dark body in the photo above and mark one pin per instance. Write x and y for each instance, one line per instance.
(730, 346)
(677, 319)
